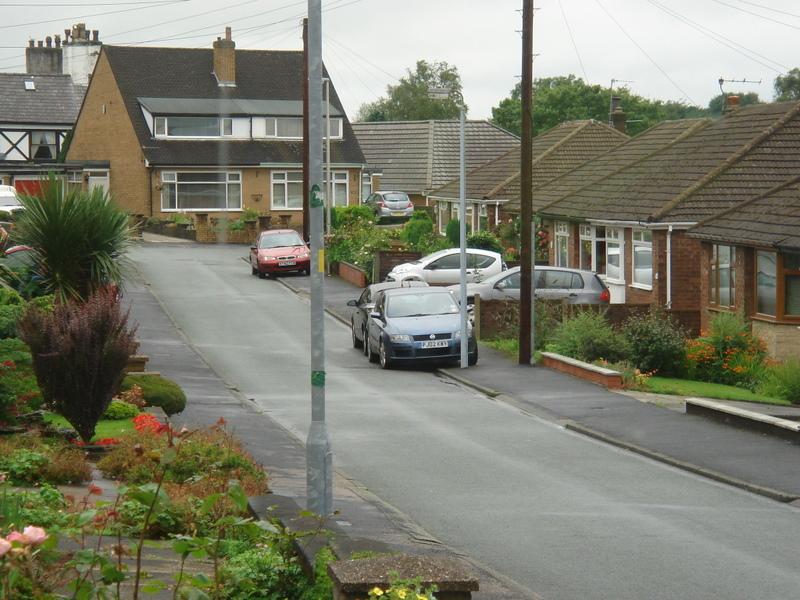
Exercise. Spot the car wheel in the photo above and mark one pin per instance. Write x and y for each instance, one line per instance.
(262, 275)
(371, 356)
(472, 358)
(253, 270)
(383, 356)
(356, 341)
(366, 343)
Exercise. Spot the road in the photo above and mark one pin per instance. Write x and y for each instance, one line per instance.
(561, 514)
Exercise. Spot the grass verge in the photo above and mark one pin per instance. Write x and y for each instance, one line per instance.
(703, 389)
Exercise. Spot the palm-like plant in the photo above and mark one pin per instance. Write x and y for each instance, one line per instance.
(79, 238)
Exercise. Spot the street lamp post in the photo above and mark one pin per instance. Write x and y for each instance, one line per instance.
(443, 94)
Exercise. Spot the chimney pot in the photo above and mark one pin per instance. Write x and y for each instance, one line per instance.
(49, 41)
(228, 33)
(731, 103)
(31, 43)
(40, 44)
(96, 35)
(58, 41)
(66, 35)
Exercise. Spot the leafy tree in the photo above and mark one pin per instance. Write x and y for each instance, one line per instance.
(410, 99)
(787, 87)
(559, 99)
(78, 239)
(717, 103)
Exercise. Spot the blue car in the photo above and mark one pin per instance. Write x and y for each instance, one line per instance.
(416, 324)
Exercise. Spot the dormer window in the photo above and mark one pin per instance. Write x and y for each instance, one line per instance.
(192, 126)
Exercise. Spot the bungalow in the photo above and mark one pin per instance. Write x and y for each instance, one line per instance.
(751, 263)
(490, 186)
(419, 156)
(211, 131)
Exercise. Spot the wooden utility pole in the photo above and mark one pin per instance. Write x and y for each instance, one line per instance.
(526, 185)
(306, 186)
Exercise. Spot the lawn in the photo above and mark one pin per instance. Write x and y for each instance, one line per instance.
(702, 389)
(508, 346)
(105, 428)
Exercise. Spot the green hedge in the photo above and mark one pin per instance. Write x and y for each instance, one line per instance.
(158, 391)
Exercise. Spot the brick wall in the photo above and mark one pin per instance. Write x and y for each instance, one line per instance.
(386, 260)
(104, 132)
(353, 274)
(782, 339)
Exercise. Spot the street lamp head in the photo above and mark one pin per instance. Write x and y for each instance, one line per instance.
(439, 93)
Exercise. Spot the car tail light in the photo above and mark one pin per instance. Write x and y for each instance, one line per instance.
(380, 203)
(605, 296)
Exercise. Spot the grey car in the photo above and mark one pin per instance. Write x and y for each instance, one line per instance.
(365, 304)
(413, 324)
(552, 283)
(390, 204)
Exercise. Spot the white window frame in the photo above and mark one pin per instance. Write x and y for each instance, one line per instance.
(282, 177)
(615, 237)
(226, 127)
(562, 234)
(642, 238)
(366, 187)
(339, 178)
(160, 126)
(231, 178)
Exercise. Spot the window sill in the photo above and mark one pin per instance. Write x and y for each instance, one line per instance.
(641, 286)
(199, 210)
(614, 281)
(280, 208)
(775, 320)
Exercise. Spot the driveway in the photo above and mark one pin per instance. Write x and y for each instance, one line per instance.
(561, 514)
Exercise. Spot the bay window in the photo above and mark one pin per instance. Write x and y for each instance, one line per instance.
(722, 274)
(615, 256)
(201, 190)
(643, 257)
(766, 283)
(778, 284)
(287, 190)
(562, 244)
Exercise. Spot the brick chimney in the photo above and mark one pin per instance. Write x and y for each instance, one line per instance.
(41, 59)
(731, 104)
(617, 119)
(225, 60)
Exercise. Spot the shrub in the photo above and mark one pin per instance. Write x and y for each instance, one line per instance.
(656, 342)
(9, 315)
(357, 239)
(78, 238)
(19, 392)
(345, 215)
(728, 354)
(453, 232)
(157, 391)
(10, 297)
(79, 353)
(485, 240)
(27, 459)
(589, 337)
(417, 228)
(262, 573)
(782, 380)
(119, 410)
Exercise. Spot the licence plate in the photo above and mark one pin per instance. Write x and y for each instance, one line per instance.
(397, 213)
(435, 344)
(287, 263)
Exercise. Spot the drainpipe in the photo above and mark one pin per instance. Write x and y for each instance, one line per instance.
(669, 267)
(150, 189)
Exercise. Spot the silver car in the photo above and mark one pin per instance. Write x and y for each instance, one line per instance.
(552, 283)
(443, 267)
(390, 204)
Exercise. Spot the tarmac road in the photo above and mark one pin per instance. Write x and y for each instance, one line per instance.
(561, 514)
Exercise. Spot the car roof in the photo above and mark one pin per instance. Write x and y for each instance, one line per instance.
(274, 231)
(439, 253)
(404, 291)
(388, 285)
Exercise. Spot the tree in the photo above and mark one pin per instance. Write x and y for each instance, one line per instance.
(717, 103)
(78, 238)
(559, 99)
(787, 87)
(410, 99)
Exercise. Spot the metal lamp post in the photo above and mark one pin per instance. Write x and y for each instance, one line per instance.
(443, 94)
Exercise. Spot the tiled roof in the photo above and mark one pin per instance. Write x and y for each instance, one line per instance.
(771, 220)
(719, 160)
(187, 73)
(55, 99)
(418, 156)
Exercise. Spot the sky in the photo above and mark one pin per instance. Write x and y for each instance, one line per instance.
(665, 49)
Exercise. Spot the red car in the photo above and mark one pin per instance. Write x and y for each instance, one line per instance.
(279, 251)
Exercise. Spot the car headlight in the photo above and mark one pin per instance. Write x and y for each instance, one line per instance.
(457, 334)
(303, 255)
(401, 269)
(400, 337)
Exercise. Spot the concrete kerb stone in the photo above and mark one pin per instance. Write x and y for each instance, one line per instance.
(767, 492)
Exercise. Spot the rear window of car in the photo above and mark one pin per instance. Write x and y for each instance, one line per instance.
(396, 197)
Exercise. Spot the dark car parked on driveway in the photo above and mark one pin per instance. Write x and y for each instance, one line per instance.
(366, 303)
(413, 324)
(552, 283)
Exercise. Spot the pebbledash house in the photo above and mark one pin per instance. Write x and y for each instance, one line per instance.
(212, 131)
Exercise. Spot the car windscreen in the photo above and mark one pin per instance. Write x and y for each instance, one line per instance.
(279, 240)
(420, 305)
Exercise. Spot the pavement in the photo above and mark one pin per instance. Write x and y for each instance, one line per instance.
(652, 425)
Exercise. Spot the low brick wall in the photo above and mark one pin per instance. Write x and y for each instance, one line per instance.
(386, 260)
(353, 274)
(606, 377)
(212, 230)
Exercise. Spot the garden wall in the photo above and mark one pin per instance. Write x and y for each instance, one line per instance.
(353, 274)
(386, 260)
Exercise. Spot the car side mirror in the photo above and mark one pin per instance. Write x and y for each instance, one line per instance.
(352, 303)
(376, 315)
(252, 248)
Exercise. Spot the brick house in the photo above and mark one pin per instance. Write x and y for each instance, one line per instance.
(207, 131)
(751, 263)
(419, 156)
(491, 185)
(626, 214)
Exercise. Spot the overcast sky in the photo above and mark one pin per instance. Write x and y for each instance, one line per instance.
(668, 49)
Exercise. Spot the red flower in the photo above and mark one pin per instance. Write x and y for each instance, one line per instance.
(94, 489)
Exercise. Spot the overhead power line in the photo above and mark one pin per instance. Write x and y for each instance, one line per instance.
(572, 38)
(646, 55)
(755, 14)
(158, 4)
(775, 10)
(76, 4)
